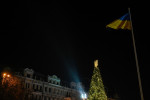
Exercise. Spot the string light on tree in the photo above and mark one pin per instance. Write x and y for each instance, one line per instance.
(96, 91)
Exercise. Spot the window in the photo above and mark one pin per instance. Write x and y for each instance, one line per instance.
(35, 97)
(40, 98)
(40, 88)
(28, 85)
(44, 97)
(49, 90)
(32, 96)
(58, 92)
(45, 89)
(28, 75)
(33, 86)
(54, 91)
(36, 87)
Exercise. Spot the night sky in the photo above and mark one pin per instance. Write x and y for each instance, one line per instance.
(65, 37)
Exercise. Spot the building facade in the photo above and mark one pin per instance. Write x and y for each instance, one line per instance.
(39, 87)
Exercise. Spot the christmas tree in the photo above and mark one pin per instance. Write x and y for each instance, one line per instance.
(96, 91)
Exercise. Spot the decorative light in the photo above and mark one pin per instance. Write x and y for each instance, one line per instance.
(83, 96)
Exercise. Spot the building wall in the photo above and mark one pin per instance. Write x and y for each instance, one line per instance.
(48, 90)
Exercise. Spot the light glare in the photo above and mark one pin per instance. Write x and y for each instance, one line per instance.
(83, 96)
(4, 74)
(8, 75)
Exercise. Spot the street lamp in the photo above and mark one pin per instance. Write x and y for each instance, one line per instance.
(84, 96)
(8, 75)
(5, 75)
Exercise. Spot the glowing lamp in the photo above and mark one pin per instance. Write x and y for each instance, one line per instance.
(83, 96)
(8, 75)
(4, 75)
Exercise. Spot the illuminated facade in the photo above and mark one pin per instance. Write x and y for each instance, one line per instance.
(47, 88)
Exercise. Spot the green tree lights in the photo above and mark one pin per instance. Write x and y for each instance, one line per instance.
(97, 91)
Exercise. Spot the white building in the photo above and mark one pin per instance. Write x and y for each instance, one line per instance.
(40, 87)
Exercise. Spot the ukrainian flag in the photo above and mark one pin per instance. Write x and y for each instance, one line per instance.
(122, 23)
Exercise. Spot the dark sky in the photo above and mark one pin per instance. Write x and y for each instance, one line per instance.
(65, 37)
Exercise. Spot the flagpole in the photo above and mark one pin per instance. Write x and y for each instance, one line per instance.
(137, 65)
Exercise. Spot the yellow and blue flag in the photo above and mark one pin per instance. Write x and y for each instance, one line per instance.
(122, 23)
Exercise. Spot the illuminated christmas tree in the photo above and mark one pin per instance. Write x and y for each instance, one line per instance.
(96, 91)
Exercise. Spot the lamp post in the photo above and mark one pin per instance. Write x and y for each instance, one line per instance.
(5, 76)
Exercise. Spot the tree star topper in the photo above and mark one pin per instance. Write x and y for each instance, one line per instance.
(96, 63)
